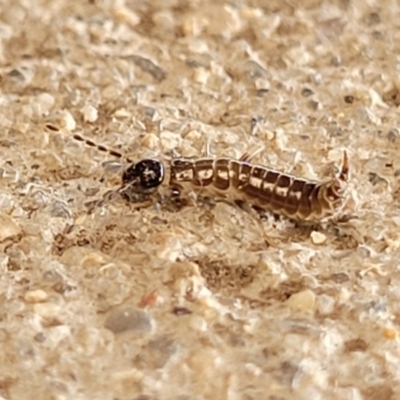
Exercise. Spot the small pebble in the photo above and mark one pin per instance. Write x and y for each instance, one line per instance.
(201, 75)
(67, 121)
(125, 15)
(193, 25)
(170, 140)
(356, 345)
(90, 113)
(40, 337)
(317, 237)
(390, 333)
(151, 141)
(349, 99)
(393, 134)
(128, 319)
(193, 135)
(306, 92)
(47, 310)
(373, 18)
(262, 84)
(159, 351)
(46, 102)
(325, 304)
(164, 19)
(251, 13)
(8, 228)
(302, 301)
(35, 296)
(315, 105)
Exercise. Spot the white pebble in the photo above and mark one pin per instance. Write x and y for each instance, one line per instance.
(335, 155)
(35, 296)
(125, 15)
(194, 135)
(46, 102)
(170, 140)
(90, 113)
(252, 13)
(317, 237)
(262, 84)
(325, 304)
(67, 121)
(164, 19)
(201, 75)
(302, 301)
(151, 141)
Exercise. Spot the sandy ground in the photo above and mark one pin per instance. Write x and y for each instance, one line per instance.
(129, 303)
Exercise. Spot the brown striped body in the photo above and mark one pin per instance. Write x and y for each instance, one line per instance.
(265, 188)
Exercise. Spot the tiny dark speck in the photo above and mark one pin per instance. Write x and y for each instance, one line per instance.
(15, 73)
(40, 337)
(373, 19)
(349, 99)
(306, 92)
(336, 61)
(158, 221)
(378, 35)
(52, 127)
(148, 66)
(262, 92)
(181, 311)
(356, 345)
(392, 135)
(374, 178)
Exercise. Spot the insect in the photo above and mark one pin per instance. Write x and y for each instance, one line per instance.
(238, 181)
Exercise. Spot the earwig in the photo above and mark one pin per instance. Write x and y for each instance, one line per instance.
(237, 180)
(267, 189)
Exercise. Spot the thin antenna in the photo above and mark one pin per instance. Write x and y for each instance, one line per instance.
(102, 148)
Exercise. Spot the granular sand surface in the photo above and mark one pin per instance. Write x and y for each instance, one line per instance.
(127, 301)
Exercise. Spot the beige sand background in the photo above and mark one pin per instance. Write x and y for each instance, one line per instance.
(152, 303)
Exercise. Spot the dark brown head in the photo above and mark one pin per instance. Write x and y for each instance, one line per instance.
(143, 177)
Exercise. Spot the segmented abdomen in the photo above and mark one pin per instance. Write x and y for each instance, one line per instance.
(270, 190)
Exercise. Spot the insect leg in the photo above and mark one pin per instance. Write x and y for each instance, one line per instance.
(208, 148)
(248, 157)
(344, 171)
